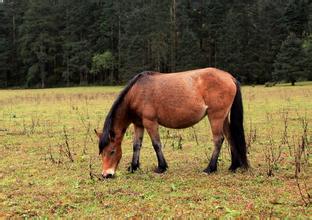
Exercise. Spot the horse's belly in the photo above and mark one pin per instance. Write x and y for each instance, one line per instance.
(181, 117)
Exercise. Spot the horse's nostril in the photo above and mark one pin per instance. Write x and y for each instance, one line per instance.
(107, 175)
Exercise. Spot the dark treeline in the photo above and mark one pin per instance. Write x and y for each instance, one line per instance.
(46, 43)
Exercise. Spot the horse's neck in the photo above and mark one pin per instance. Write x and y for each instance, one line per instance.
(121, 121)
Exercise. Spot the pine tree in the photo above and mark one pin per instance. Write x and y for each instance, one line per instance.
(38, 37)
(188, 44)
(235, 47)
(11, 13)
(289, 64)
(4, 47)
(307, 58)
(268, 32)
(296, 16)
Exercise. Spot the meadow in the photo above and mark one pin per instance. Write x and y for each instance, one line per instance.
(49, 162)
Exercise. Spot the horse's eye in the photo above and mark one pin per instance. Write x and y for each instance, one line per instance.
(112, 152)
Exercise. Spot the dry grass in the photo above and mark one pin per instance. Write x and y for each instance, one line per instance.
(47, 148)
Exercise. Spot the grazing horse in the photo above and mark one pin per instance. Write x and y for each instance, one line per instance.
(175, 100)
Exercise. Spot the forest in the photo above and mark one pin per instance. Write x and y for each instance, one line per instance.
(54, 43)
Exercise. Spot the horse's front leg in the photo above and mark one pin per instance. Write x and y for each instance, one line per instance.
(137, 143)
(152, 129)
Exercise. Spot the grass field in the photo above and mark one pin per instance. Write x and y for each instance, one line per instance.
(48, 149)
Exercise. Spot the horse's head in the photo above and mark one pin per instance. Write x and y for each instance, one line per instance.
(111, 155)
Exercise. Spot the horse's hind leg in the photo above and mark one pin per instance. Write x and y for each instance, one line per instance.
(216, 124)
(234, 154)
(152, 129)
(137, 143)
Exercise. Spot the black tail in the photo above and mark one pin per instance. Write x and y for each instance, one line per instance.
(238, 145)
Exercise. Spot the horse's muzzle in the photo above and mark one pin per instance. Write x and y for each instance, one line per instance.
(107, 176)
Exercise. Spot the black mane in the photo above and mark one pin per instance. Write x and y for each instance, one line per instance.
(108, 124)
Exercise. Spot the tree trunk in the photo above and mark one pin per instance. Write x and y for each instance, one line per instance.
(42, 74)
(86, 77)
(80, 77)
(116, 73)
(215, 53)
(174, 36)
(67, 71)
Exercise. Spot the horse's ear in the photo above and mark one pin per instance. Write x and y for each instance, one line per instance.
(99, 134)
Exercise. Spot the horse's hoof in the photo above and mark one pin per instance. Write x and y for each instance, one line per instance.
(160, 169)
(210, 170)
(133, 168)
(233, 167)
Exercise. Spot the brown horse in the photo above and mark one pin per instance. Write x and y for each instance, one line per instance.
(175, 100)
